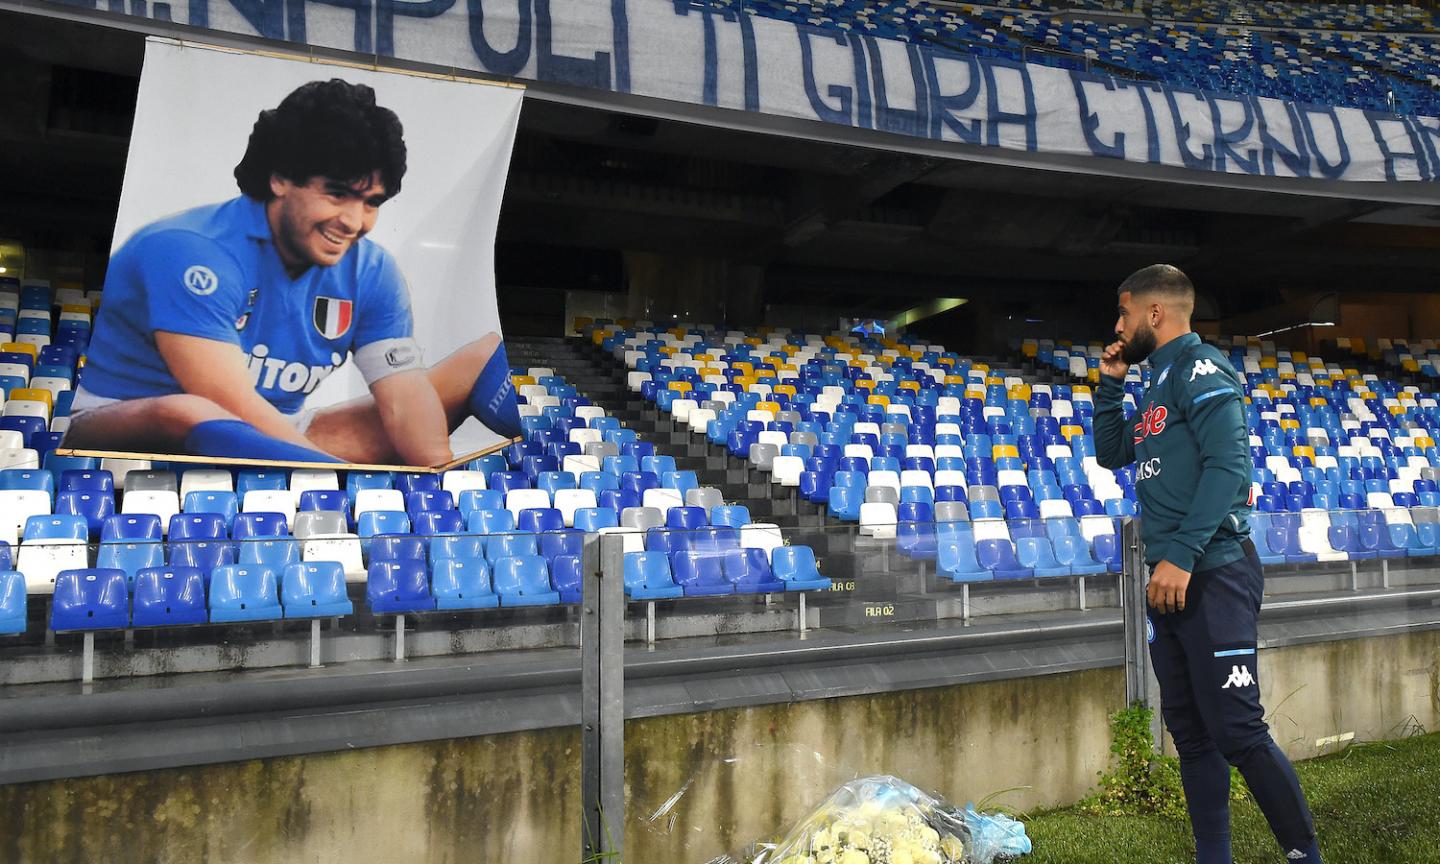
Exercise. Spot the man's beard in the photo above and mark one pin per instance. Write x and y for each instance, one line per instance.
(1136, 350)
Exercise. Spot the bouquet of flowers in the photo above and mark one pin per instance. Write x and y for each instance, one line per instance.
(884, 820)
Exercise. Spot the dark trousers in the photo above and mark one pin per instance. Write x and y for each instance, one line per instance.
(1205, 659)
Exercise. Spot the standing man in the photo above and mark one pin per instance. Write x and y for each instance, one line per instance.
(1190, 447)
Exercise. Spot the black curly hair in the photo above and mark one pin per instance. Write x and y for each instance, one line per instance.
(329, 129)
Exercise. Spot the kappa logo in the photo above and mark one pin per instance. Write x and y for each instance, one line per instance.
(1239, 677)
(200, 280)
(1152, 422)
(1165, 373)
(1203, 367)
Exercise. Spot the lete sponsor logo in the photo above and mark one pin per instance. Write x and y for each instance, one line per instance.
(1152, 422)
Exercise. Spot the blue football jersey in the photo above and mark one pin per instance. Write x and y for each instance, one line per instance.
(213, 272)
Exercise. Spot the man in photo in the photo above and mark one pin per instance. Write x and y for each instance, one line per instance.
(219, 321)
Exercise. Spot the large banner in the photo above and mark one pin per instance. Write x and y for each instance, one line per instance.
(728, 58)
(303, 267)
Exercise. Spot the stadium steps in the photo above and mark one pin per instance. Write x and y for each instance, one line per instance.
(878, 576)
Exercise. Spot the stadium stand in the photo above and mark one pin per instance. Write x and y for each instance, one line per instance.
(991, 473)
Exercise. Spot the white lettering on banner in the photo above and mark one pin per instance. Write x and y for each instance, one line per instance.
(1203, 367)
(725, 58)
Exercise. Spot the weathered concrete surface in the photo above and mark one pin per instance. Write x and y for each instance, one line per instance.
(750, 772)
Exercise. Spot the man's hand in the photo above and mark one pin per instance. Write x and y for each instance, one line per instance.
(1110, 362)
(1166, 591)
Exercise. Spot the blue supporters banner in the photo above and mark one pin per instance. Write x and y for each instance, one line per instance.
(727, 58)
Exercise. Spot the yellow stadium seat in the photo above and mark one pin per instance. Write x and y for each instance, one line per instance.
(582, 323)
(1021, 392)
(34, 394)
(878, 399)
(1269, 363)
(972, 393)
(1306, 452)
(784, 390)
(1397, 409)
(597, 336)
(20, 348)
(954, 379)
(754, 340)
(625, 323)
(1410, 365)
(1318, 402)
(1080, 388)
(1093, 376)
(680, 386)
(994, 382)
(668, 350)
(522, 380)
(1287, 423)
(772, 407)
(1000, 451)
(765, 373)
(746, 381)
(946, 361)
(744, 367)
(1030, 349)
(908, 385)
(1424, 442)
(865, 384)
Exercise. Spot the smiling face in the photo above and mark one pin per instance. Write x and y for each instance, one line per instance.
(316, 222)
(1132, 328)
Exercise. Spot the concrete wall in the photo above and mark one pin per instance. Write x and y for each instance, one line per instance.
(750, 772)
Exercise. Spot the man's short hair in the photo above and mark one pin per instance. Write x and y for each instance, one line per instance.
(329, 129)
(1164, 281)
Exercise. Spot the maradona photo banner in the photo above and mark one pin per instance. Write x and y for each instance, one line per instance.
(303, 267)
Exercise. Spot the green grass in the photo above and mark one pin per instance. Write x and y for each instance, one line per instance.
(1375, 803)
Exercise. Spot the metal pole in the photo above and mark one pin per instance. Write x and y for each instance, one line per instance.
(1140, 682)
(602, 698)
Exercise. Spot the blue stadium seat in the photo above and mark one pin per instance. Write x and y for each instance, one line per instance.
(1035, 553)
(89, 599)
(998, 556)
(797, 568)
(1073, 552)
(955, 556)
(566, 577)
(204, 555)
(373, 522)
(255, 524)
(591, 519)
(538, 519)
(481, 499)
(276, 553)
(169, 596)
(197, 526)
(700, 574)
(12, 602)
(495, 521)
(333, 500)
(244, 592)
(57, 464)
(732, 515)
(131, 526)
(431, 522)
(315, 589)
(250, 481)
(566, 542)
(427, 500)
(844, 502)
(398, 586)
(686, 518)
(93, 480)
(93, 505)
(130, 557)
(56, 527)
(647, 577)
(209, 501)
(456, 546)
(409, 484)
(462, 583)
(750, 572)
(396, 547)
(511, 545)
(523, 580)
